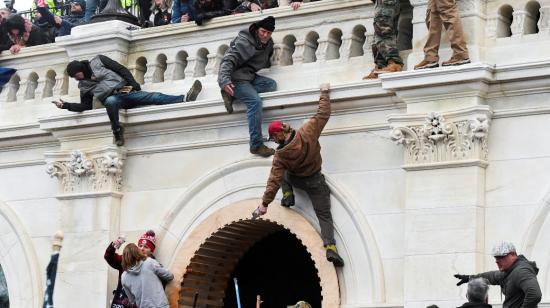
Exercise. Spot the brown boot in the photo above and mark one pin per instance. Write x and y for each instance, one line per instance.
(455, 61)
(426, 64)
(263, 151)
(372, 75)
(391, 68)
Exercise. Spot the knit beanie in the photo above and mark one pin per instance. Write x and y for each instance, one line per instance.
(267, 23)
(149, 239)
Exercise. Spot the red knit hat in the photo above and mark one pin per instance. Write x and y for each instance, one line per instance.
(148, 239)
(274, 128)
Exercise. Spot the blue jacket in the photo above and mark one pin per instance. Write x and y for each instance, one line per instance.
(182, 7)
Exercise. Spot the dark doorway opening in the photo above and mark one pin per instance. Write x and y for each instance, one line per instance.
(280, 270)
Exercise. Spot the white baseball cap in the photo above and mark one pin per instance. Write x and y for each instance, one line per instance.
(502, 249)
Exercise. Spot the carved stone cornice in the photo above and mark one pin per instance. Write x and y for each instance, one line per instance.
(87, 173)
(441, 143)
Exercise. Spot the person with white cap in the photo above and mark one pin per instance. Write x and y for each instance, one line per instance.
(297, 162)
(516, 276)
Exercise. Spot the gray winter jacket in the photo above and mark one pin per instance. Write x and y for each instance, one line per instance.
(245, 56)
(518, 284)
(106, 80)
(142, 284)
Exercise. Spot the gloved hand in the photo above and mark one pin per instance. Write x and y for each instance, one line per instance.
(463, 279)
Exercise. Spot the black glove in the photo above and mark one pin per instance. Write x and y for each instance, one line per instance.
(463, 279)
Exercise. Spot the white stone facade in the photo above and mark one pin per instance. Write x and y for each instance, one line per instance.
(427, 169)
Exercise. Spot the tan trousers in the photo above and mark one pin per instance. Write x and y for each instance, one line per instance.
(444, 12)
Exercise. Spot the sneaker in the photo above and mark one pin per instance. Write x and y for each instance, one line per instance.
(194, 91)
(119, 136)
(373, 75)
(392, 67)
(263, 151)
(426, 64)
(227, 101)
(453, 62)
(333, 256)
(288, 199)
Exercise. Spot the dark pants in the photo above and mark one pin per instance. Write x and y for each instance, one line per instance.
(319, 194)
(134, 99)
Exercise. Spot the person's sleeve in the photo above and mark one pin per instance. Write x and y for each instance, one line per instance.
(494, 277)
(162, 273)
(121, 70)
(315, 125)
(113, 259)
(273, 182)
(238, 53)
(529, 285)
(86, 103)
(176, 12)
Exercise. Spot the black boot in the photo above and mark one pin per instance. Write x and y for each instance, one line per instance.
(194, 91)
(288, 198)
(333, 256)
(119, 136)
(227, 101)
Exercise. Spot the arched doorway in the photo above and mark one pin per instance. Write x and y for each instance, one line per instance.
(266, 258)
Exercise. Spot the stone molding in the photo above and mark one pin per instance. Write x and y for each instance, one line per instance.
(439, 142)
(87, 173)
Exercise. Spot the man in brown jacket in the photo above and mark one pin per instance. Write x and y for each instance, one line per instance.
(297, 162)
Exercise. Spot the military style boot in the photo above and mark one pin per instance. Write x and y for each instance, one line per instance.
(119, 136)
(333, 256)
(392, 67)
(288, 198)
(227, 102)
(262, 151)
(194, 91)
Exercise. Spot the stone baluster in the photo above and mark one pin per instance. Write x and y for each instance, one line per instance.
(321, 53)
(345, 49)
(367, 48)
(213, 65)
(192, 63)
(39, 89)
(544, 20)
(170, 70)
(149, 76)
(298, 56)
(276, 57)
(60, 85)
(518, 22)
(491, 28)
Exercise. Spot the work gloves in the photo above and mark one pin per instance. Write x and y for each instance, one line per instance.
(463, 279)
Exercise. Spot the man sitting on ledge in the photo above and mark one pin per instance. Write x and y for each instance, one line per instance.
(115, 87)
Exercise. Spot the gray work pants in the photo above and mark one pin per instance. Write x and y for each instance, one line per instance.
(319, 194)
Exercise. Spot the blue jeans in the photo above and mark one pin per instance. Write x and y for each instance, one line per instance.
(91, 6)
(134, 99)
(247, 93)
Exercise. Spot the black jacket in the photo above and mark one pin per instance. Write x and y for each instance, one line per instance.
(475, 305)
(86, 99)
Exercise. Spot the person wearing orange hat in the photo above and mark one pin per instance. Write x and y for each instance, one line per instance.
(297, 162)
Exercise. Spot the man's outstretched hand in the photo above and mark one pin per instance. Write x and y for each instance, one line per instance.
(59, 104)
(325, 87)
(463, 279)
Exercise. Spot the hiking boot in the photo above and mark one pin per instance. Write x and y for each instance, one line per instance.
(263, 151)
(392, 67)
(227, 101)
(119, 136)
(288, 199)
(333, 256)
(454, 62)
(372, 75)
(426, 64)
(194, 91)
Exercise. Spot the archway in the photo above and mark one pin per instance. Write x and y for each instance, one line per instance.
(267, 259)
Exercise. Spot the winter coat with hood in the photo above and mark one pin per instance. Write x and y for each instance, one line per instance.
(245, 56)
(142, 284)
(518, 284)
(301, 156)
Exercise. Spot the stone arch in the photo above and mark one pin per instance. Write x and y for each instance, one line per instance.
(230, 190)
(202, 61)
(535, 244)
(181, 64)
(19, 261)
(140, 70)
(504, 21)
(358, 39)
(49, 84)
(158, 75)
(334, 44)
(532, 9)
(310, 47)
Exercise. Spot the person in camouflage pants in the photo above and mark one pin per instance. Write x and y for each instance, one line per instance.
(384, 48)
